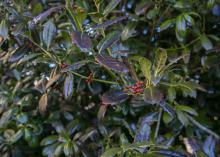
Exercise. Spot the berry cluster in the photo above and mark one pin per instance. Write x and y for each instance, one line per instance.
(137, 88)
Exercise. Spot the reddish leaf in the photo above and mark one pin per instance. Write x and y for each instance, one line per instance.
(112, 63)
(114, 97)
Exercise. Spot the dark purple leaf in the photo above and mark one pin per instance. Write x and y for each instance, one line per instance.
(108, 40)
(143, 133)
(112, 63)
(110, 22)
(74, 66)
(114, 97)
(209, 146)
(82, 40)
(18, 54)
(68, 86)
(42, 16)
(142, 7)
(169, 153)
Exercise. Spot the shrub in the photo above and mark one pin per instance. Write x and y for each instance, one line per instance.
(109, 78)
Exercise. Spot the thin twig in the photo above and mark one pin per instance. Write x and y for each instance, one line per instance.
(158, 123)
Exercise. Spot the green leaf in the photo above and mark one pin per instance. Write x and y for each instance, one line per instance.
(145, 67)
(111, 6)
(22, 118)
(27, 134)
(166, 24)
(68, 86)
(186, 109)
(3, 30)
(49, 140)
(111, 152)
(68, 149)
(180, 28)
(171, 94)
(16, 136)
(160, 61)
(182, 118)
(49, 32)
(206, 42)
(152, 95)
(108, 40)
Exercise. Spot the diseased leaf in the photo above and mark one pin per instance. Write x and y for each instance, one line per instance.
(49, 32)
(209, 146)
(68, 86)
(114, 97)
(52, 80)
(82, 40)
(111, 6)
(112, 63)
(108, 41)
(43, 102)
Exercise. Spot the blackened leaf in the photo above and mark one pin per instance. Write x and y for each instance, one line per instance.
(110, 22)
(111, 6)
(169, 153)
(112, 63)
(143, 133)
(209, 146)
(68, 86)
(74, 66)
(114, 97)
(153, 95)
(49, 32)
(43, 102)
(206, 42)
(52, 80)
(142, 7)
(111, 152)
(108, 40)
(82, 40)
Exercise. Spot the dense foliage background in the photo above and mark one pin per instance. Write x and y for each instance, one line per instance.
(106, 78)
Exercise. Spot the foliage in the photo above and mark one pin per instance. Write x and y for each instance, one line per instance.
(109, 78)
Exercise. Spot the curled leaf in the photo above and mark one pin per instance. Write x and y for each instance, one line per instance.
(112, 63)
(81, 40)
(52, 80)
(43, 102)
(114, 97)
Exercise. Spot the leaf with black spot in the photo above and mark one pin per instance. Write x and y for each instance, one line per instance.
(112, 63)
(114, 97)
